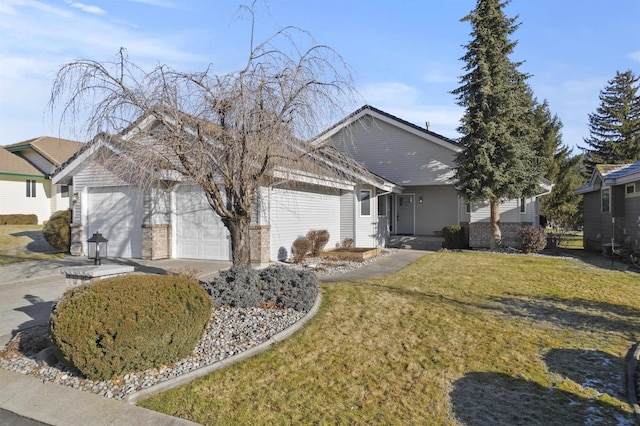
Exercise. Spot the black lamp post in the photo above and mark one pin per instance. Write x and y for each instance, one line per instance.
(97, 248)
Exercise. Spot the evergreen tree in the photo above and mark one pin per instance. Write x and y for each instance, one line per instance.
(498, 161)
(614, 129)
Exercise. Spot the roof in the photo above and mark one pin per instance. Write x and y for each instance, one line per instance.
(55, 150)
(377, 113)
(610, 175)
(13, 165)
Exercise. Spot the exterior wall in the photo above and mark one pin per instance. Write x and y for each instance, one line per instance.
(14, 200)
(396, 154)
(347, 219)
(592, 221)
(438, 209)
(295, 211)
(156, 241)
(76, 240)
(509, 212)
(58, 202)
(632, 215)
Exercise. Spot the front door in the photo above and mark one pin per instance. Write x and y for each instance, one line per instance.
(405, 214)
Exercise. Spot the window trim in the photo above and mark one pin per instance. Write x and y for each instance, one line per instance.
(368, 199)
(602, 199)
(64, 191)
(626, 189)
(523, 205)
(467, 208)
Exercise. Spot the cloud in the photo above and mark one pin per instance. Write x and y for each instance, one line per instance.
(635, 56)
(158, 3)
(406, 102)
(87, 8)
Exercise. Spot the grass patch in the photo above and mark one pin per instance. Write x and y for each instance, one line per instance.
(22, 243)
(465, 337)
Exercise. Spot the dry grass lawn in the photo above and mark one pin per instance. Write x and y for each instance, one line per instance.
(22, 243)
(456, 338)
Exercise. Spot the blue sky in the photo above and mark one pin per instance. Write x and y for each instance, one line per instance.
(404, 54)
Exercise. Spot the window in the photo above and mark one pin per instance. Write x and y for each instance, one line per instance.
(630, 188)
(467, 208)
(523, 205)
(31, 188)
(382, 205)
(365, 202)
(606, 200)
(64, 191)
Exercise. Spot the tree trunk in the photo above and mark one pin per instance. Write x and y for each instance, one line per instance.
(240, 241)
(496, 235)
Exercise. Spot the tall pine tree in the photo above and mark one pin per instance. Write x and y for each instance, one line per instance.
(614, 129)
(498, 161)
(562, 206)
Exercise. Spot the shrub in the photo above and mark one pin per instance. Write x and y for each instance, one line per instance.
(128, 323)
(288, 288)
(531, 240)
(300, 248)
(238, 288)
(277, 286)
(18, 219)
(57, 230)
(347, 243)
(319, 239)
(454, 237)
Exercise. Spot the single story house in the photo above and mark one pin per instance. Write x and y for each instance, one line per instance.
(174, 220)
(395, 178)
(422, 162)
(611, 200)
(25, 176)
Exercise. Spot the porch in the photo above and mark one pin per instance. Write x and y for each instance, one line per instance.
(416, 242)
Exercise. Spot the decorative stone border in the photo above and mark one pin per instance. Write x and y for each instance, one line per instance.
(133, 398)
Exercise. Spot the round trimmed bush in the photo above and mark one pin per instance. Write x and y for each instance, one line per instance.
(128, 323)
(57, 230)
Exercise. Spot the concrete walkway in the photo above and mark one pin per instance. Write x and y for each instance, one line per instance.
(27, 291)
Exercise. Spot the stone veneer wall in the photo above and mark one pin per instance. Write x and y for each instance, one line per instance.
(260, 247)
(76, 239)
(480, 233)
(156, 241)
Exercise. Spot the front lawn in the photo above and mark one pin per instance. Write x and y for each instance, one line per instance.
(22, 243)
(470, 338)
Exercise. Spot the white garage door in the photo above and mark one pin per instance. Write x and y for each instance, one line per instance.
(294, 213)
(200, 233)
(116, 212)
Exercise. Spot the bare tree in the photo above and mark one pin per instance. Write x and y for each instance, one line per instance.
(225, 133)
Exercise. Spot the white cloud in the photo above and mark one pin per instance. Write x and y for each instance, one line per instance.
(158, 3)
(408, 103)
(635, 55)
(87, 8)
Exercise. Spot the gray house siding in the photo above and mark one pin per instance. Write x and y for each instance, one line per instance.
(591, 225)
(435, 211)
(347, 204)
(395, 154)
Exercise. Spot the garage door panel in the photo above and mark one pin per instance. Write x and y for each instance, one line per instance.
(116, 212)
(200, 232)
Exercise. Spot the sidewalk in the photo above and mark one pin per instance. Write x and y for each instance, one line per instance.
(25, 301)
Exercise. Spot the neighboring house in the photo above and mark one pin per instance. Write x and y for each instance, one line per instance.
(611, 200)
(422, 162)
(173, 220)
(25, 176)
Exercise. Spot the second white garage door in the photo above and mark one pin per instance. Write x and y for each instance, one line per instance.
(200, 233)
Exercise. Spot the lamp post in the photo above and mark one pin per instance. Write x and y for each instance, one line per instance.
(97, 248)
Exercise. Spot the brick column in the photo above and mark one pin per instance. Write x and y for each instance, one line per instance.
(75, 247)
(156, 241)
(260, 236)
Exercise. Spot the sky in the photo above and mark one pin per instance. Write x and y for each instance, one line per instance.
(404, 55)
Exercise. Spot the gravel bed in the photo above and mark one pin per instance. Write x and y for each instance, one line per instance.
(230, 331)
